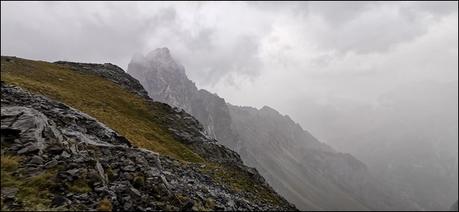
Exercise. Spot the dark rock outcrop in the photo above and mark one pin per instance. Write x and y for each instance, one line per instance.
(111, 72)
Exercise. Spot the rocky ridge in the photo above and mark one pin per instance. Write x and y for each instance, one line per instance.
(52, 136)
(84, 165)
(110, 72)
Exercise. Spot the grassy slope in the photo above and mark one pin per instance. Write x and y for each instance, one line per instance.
(125, 112)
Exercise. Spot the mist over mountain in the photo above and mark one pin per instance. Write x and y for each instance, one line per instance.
(306, 171)
(166, 81)
(409, 138)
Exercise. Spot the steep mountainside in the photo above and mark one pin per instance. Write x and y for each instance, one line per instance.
(166, 81)
(296, 164)
(94, 140)
(307, 172)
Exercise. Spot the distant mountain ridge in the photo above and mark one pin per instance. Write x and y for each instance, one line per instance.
(307, 172)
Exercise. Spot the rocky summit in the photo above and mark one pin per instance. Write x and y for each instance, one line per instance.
(58, 154)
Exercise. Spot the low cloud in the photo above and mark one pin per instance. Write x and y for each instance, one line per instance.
(321, 49)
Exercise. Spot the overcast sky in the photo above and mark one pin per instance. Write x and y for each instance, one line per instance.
(285, 55)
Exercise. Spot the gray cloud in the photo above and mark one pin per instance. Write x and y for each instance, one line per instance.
(362, 27)
(211, 61)
(217, 42)
(55, 31)
(366, 27)
(91, 32)
(235, 44)
(113, 32)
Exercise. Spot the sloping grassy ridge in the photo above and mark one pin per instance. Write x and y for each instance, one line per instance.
(121, 110)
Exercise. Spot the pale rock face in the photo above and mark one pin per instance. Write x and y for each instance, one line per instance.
(305, 171)
(166, 81)
(156, 71)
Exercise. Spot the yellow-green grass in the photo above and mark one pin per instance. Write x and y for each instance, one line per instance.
(240, 182)
(127, 113)
(9, 162)
(32, 191)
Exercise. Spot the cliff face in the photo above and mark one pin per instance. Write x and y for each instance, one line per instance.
(307, 172)
(94, 140)
(153, 71)
(166, 81)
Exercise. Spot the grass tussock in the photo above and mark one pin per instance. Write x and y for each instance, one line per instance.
(80, 186)
(9, 162)
(104, 205)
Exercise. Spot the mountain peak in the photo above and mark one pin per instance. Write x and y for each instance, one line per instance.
(164, 79)
(160, 53)
(158, 61)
